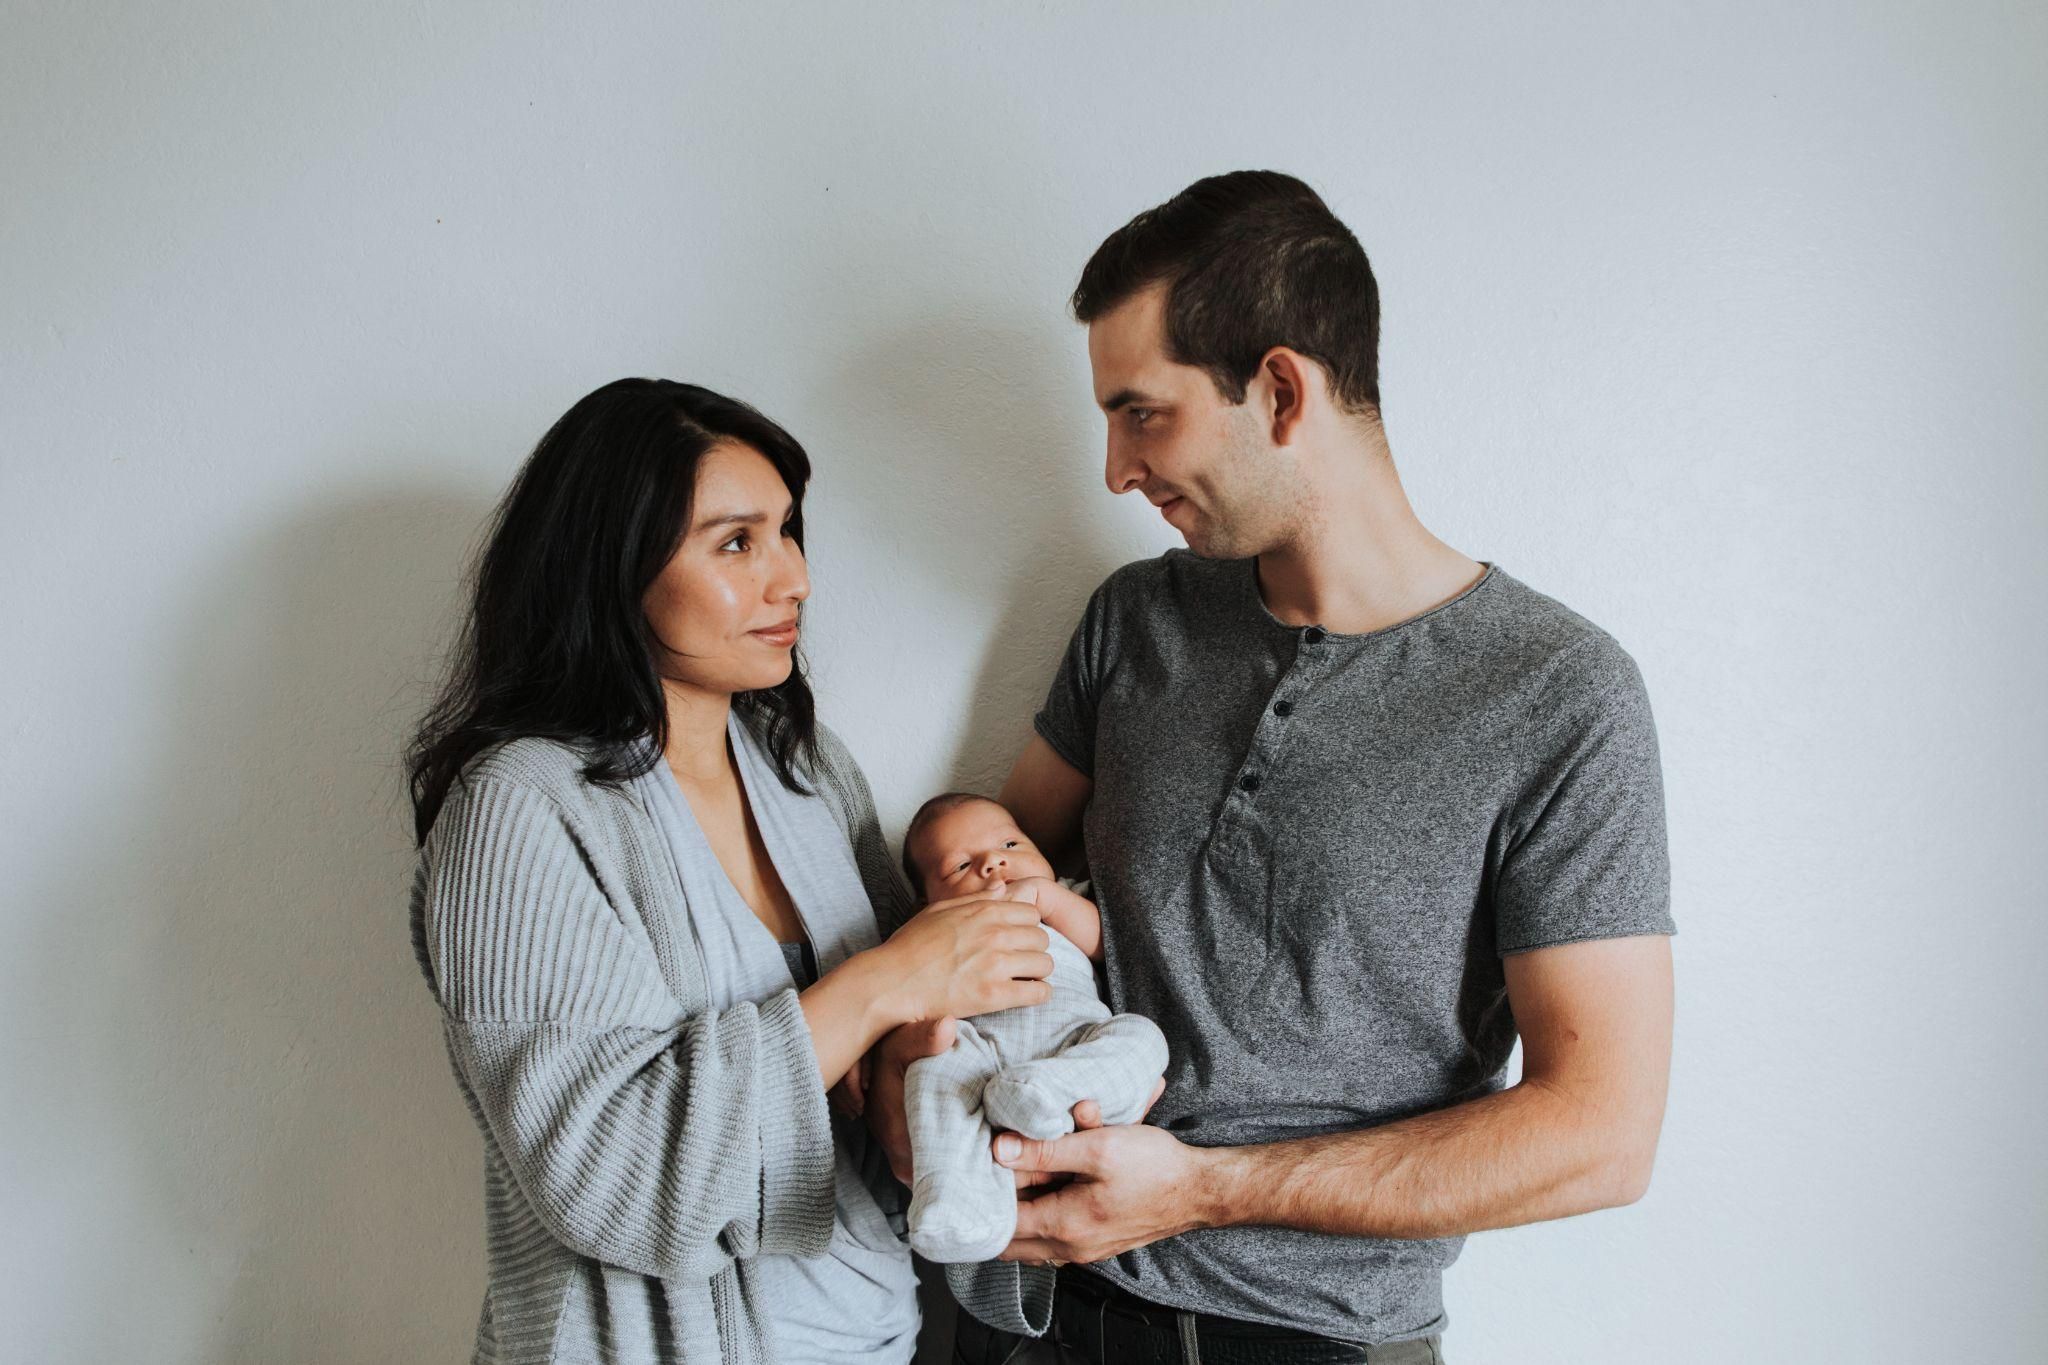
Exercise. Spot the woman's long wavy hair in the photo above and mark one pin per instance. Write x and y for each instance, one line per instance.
(556, 643)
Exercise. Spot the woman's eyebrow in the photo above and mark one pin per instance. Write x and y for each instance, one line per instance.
(730, 519)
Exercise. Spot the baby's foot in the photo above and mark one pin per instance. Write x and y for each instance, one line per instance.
(959, 1218)
(1025, 1100)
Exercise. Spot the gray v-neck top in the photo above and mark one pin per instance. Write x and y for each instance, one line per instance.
(857, 1302)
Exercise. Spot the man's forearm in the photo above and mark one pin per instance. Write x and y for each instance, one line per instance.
(1526, 1154)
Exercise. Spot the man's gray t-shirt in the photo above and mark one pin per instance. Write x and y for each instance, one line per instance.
(1311, 851)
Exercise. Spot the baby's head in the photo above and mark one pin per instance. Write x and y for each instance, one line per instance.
(960, 844)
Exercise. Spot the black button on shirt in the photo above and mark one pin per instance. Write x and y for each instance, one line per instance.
(1314, 635)
(1250, 782)
(1283, 708)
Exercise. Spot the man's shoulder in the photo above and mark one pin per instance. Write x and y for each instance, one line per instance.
(1160, 582)
(1552, 650)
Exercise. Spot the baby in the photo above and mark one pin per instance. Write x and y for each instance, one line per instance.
(1021, 1069)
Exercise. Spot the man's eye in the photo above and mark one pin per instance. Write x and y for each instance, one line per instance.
(1140, 415)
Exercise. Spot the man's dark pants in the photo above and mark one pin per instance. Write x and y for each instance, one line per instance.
(1095, 1323)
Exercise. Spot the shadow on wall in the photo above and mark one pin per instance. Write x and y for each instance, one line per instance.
(312, 1156)
(997, 413)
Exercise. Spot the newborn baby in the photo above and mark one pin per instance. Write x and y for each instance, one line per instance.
(1022, 1069)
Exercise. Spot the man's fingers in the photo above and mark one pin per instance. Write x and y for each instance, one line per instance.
(1078, 1153)
(1034, 1251)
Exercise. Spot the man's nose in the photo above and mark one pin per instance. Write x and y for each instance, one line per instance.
(1121, 472)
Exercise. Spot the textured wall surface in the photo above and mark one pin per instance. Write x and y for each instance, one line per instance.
(1725, 324)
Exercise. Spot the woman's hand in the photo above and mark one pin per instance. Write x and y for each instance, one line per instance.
(972, 955)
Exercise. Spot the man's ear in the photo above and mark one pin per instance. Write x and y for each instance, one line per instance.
(1292, 381)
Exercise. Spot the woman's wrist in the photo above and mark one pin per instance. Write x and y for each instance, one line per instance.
(874, 980)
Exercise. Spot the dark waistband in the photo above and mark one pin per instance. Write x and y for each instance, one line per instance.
(1112, 1297)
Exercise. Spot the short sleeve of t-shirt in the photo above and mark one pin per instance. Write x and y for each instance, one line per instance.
(1588, 856)
(1067, 720)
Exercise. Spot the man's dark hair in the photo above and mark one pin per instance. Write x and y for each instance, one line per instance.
(1251, 260)
(928, 812)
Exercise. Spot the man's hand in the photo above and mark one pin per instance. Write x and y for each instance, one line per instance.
(1131, 1185)
(884, 1108)
(1087, 1114)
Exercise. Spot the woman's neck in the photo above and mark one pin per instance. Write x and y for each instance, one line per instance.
(697, 750)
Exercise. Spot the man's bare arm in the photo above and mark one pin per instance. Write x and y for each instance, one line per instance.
(1577, 1133)
(1047, 796)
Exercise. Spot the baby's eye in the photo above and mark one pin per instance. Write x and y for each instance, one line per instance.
(1011, 843)
(961, 868)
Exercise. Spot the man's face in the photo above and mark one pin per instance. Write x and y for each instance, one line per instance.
(1208, 465)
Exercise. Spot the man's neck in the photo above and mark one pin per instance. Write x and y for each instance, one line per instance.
(1362, 560)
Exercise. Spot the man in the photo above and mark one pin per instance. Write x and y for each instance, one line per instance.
(1358, 810)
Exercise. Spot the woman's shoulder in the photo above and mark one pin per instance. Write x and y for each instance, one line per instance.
(550, 765)
(557, 770)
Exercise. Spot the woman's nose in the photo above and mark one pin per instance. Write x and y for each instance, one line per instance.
(793, 583)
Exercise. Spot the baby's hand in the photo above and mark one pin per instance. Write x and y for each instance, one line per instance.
(1073, 914)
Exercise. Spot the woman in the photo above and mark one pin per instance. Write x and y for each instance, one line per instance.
(647, 903)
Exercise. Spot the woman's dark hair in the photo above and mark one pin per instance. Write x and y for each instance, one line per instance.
(556, 643)
(1251, 260)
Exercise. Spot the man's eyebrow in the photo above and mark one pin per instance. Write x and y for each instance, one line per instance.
(1124, 398)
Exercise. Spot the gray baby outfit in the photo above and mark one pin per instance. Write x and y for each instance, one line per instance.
(1020, 1069)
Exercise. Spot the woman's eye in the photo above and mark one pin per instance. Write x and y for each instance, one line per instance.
(740, 539)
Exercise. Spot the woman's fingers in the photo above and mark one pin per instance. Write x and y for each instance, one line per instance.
(1015, 964)
(1023, 938)
(1015, 994)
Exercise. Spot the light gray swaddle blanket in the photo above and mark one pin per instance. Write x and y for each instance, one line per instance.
(1021, 1069)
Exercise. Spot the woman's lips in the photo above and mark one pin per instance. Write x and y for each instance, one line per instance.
(780, 636)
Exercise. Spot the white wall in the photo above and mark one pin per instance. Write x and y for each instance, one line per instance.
(1724, 324)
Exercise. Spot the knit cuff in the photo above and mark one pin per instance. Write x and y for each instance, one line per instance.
(1006, 1295)
(799, 1196)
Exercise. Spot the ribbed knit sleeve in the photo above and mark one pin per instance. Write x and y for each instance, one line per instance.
(662, 1142)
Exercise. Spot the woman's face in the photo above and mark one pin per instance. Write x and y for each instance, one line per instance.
(725, 604)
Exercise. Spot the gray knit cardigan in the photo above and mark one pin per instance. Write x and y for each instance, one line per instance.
(639, 1146)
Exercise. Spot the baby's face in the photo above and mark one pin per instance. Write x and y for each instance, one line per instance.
(972, 847)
